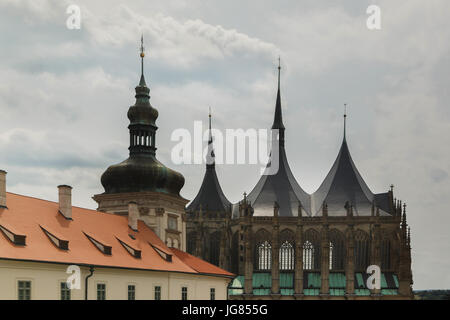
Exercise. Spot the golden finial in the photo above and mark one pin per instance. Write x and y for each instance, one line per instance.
(142, 46)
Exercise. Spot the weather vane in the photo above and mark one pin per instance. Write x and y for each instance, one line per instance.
(142, 54)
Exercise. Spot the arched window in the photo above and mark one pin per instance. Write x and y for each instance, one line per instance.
(264, 256)
(385, 254)
(214, 249)
(337, 250)
(287, 256)
(235, 253)
(263, 251)
(286, 251)
(191, 241)
(361, 250)
(308, 255)
(311, 250)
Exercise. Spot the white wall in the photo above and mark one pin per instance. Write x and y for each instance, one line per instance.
(46, 277)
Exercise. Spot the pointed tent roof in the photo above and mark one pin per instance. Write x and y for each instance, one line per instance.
(278, 117)
(344, 184)
(210, 196)
(282, 186)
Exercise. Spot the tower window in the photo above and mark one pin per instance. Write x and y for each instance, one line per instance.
(212, 294)
(172, 223)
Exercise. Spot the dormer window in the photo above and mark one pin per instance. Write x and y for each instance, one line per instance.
(58, 242)
(134, 252)
(17, 239)
(100, 246)
(163, 253)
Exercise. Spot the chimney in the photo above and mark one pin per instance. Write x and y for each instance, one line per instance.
(133, 214)
(2, 189)
(65, 201)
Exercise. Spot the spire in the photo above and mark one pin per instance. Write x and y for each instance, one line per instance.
(210, 134)
(210, 196)
(210, 156)
(142, 54)
(345, 121)
(279, 71)
(142, 117)
(278, 119)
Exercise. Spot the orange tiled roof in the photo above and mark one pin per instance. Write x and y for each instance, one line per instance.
(197, 264)
(26, 215)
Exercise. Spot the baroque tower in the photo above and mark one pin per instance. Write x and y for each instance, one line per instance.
(141, 185)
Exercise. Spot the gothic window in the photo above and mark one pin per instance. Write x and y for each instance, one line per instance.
(235, 253)
(362, 253)
(214, 251)
(191, 240)
(287, 255)
(308, 255)
(386, 254)
(337, 250)
(311, 250)
(264, 256)
(263, 250)
(331, 255)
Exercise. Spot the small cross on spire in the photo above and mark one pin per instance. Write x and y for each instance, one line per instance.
(210, 134)
(345, 120)
(279, 71)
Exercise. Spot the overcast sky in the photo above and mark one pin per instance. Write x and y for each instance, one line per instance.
(64, 95)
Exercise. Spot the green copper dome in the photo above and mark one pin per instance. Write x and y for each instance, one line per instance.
(141, 173)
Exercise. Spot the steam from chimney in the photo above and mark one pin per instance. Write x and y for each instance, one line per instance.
(65, 201)
(133, 214)
(2, 189)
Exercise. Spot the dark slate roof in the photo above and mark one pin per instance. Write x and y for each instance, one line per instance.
(344, 184)
(281, 188)
(278, 117)
(210, 197)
